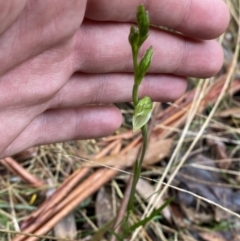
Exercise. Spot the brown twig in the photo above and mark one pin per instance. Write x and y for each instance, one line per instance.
(18, 170)
(91, 184)
(46, 208)
(122, 209)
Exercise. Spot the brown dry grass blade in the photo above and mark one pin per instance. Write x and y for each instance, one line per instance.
(231, 112)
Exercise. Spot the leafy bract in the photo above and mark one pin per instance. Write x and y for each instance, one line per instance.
(142, 113)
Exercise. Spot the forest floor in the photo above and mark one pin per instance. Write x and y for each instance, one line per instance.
(78, 190)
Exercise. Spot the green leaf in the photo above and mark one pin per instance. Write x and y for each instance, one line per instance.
(142, 113)
(145, 63)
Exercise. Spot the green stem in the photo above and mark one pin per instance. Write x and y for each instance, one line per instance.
(136, 85)
(136, 38)
(135, 58)
(135, 94)
(137, 170)
(145, 141)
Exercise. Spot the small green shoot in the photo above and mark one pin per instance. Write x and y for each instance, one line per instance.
(142, 113)
(142, 107)
(147, 219)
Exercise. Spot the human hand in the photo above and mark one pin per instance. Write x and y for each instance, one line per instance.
(58, 57)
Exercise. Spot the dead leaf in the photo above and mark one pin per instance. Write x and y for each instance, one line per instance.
(156, 151)
(194, 216)
(26, 154)
(146, 191)
(187, 237)
(212, 236)
(231, 112)
(66, 228)
(103, 207)
(236, 237)
(203, 182)
(178, 216)
(220, 151)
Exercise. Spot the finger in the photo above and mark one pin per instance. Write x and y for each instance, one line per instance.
(205, 19)
(68, 124)
(113, 88)
(9, 11)
(172, 53)
(13, 122)
(42, 25)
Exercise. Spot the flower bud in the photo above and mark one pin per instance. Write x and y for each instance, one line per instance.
(142, 21)
(133, 37)
(145, 62)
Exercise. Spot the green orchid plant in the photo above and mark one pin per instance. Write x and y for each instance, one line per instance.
(142, 107)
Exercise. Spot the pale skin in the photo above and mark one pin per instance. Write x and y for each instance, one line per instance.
(58, 57)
